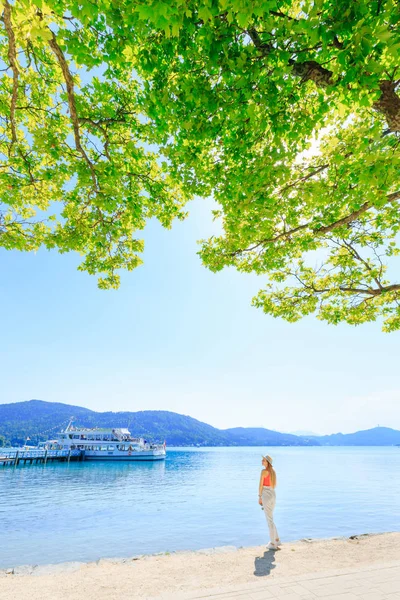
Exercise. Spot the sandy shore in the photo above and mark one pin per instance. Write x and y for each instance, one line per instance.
(153, 576)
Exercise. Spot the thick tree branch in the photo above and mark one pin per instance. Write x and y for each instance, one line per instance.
(389, 104)
(354, 215)
(264, 47)
(319, 230)
(72, 106)
(12, 57)
(371, 291)
(367, 291)
(310, 70)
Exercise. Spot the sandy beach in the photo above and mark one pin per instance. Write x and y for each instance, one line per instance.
(180, 573)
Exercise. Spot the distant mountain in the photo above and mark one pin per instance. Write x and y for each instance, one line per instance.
(40, 420)
(257, 436)
(378, 436)
(305, 433)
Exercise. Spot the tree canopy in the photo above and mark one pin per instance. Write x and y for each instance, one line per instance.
(286, 112)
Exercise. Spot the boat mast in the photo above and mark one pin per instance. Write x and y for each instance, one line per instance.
(69, 424)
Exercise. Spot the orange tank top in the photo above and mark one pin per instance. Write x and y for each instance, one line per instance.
(267, 480)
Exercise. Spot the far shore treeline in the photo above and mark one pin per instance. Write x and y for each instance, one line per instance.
(39, 421)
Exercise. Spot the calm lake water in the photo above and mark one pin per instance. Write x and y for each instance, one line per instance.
(198, 498)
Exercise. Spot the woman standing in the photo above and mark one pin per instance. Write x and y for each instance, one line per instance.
(267, 499)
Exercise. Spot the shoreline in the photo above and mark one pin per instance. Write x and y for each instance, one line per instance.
(186, 572)
(69, 566)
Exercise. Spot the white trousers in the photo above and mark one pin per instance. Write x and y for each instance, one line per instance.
(268, 498)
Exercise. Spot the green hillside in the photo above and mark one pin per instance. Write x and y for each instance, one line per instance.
(40, 420)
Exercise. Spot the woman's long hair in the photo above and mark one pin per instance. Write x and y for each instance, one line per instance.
(272, 474)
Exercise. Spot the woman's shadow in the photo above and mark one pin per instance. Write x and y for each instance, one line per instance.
(263, 565)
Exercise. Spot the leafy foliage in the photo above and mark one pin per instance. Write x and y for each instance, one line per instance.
(286, 112)
(78, 171)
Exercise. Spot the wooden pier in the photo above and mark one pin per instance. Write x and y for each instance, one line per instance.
(16, 457)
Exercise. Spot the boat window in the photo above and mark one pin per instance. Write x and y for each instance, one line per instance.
(122, 447)
(104, 448)
(111, 447)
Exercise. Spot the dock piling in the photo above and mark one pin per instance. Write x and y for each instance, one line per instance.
(37, 456)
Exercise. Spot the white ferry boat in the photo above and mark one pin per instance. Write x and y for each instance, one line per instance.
(105, 444)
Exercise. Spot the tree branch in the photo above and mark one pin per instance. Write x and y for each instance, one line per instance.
(12, 57)
(319, 230)
(310, 70)
(302, 179)
(366, 264)
(354, 215)
(389, 104)
(264, 47)
(283, 15)
(72, 106)
(372, 291)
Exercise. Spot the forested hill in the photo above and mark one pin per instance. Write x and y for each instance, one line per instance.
(40, 420)
(258, 436)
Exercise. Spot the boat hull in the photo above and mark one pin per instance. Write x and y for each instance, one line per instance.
(134, 457)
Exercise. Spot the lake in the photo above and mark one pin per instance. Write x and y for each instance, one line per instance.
(198, 498)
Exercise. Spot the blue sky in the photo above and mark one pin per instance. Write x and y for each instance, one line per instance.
(178, 337)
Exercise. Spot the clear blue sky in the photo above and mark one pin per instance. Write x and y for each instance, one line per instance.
(177, 337)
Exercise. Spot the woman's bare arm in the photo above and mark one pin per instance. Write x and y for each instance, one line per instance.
(260, 487)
